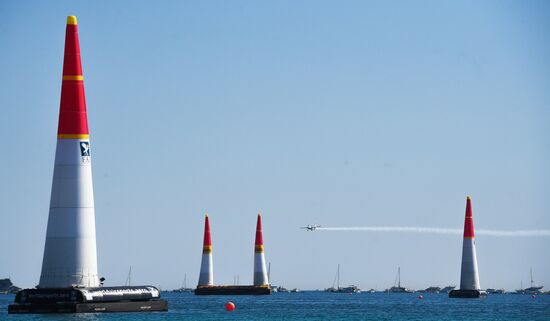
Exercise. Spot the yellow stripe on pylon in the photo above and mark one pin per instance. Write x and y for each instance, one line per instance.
(73, 77)
(73, 136)
(259, 248)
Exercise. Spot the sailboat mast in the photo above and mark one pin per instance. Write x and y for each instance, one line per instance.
(531, 271)
(399, 277)
(338, 277)
(129, 277)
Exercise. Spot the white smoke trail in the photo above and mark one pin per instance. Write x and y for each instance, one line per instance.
(438, 230)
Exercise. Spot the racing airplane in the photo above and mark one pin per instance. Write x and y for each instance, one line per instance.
(310, 227)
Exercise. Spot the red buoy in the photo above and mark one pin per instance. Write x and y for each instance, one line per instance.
(230, 306)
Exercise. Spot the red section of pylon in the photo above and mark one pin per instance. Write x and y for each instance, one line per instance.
(72, 113)
(259, 238)
(207, 239)
(468, 220)
(71, 63)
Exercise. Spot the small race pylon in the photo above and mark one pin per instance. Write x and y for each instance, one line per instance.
(260, 270)
(469, 276)
(206, 277)
(261, 284)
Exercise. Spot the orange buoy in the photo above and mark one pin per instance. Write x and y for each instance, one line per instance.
(230, 306)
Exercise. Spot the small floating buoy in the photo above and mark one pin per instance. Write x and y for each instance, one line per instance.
(420, 297)
(533, 296)
(229, 306)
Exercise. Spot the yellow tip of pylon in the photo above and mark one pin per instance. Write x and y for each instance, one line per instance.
(468, 197)
(71, 20)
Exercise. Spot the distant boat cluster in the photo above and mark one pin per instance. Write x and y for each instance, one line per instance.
(397, 288)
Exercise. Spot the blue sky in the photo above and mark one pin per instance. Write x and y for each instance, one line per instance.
(334, 113)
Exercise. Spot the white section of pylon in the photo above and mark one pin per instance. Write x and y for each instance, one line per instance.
(70, 257)
(260, 270)
(206, 276)
(469, 277)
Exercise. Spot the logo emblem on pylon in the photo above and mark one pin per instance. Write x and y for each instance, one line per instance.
(84, 148)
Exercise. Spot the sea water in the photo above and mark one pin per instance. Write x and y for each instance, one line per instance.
(325, 306)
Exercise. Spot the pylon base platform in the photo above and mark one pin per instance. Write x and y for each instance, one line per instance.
(88, 300)
(233, 290)
(467, 294)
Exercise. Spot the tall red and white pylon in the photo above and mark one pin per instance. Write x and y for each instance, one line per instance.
(206, 276)
(70, 257)
(469, 277)
(260, 270)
